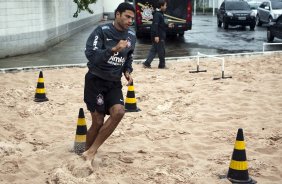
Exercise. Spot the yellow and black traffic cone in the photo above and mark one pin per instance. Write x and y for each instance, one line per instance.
(40, 95)
(130, 101)
(81, 131)
(238, 168)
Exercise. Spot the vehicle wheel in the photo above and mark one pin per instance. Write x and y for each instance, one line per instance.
(225, 25)
(270, 19)
(270, 37)
(252, 27)
(258, 21)
(180, 34)
(219, 23)
(138, 35)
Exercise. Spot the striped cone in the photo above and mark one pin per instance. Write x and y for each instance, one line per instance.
(130, 101)
(40, 95)
(81, 130)
(238, 168)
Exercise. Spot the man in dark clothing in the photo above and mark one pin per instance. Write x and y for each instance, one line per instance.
(158, 35)
(109, 50)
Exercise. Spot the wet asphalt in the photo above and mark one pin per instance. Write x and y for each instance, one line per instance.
(205, 37)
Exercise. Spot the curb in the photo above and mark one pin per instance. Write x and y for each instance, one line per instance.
(137, 61)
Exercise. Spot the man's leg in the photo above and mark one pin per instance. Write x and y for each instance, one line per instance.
(161, 53)
(151, 55)
(97, 122)
(92, 93)
(116, 113)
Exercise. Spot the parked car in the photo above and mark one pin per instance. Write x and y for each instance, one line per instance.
(235, 12)
(254, 6)
(268, 11)
(274, 29)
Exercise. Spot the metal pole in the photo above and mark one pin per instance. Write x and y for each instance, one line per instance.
(222, 68)
(198, 65)
(212, 7)
(203, 6)
(198, 62)
(195, 3)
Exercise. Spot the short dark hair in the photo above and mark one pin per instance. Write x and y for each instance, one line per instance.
(122, 7)
(160, 3)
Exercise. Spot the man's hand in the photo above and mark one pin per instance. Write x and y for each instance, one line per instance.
(157, 39)
(128, 78)
(122, 44)
(171, 25)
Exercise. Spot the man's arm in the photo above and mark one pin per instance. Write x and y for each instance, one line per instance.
(128, 68)
(94, 51)
(155, 25)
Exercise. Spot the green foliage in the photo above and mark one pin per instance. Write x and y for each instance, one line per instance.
(82, 5)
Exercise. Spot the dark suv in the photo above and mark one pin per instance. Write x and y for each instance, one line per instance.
(236, 12)
(274, 29)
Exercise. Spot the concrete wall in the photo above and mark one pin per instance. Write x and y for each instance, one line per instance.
(110, 6)
(28, 26)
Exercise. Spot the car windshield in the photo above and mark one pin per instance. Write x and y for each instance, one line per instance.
(276, 5)
(237, 6)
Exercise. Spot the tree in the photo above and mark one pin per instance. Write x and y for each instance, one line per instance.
(82, 5)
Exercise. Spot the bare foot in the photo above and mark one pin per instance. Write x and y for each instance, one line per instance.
(88, 155)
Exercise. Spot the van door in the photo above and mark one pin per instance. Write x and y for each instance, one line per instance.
(178, 12)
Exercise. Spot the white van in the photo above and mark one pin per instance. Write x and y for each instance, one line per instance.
(178, 12)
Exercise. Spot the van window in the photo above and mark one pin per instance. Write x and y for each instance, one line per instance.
(177, 8)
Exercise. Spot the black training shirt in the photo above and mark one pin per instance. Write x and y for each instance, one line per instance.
(102, 62)
(158, 28)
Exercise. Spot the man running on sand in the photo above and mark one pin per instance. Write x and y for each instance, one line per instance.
(109, 50)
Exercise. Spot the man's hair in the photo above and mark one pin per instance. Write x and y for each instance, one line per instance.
(160, 3)
(122, 7)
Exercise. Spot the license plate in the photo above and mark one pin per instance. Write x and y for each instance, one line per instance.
(241, 18)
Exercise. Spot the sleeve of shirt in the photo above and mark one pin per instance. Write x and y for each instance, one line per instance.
(128, 63)
(94, 50)
(155, 25)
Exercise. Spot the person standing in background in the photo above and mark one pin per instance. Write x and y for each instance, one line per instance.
(158, 36)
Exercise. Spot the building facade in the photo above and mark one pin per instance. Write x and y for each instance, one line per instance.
(28, 26)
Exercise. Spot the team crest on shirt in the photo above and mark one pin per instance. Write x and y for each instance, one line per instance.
(100, 99)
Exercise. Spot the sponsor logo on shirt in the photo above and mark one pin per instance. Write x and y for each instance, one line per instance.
(116, 60)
